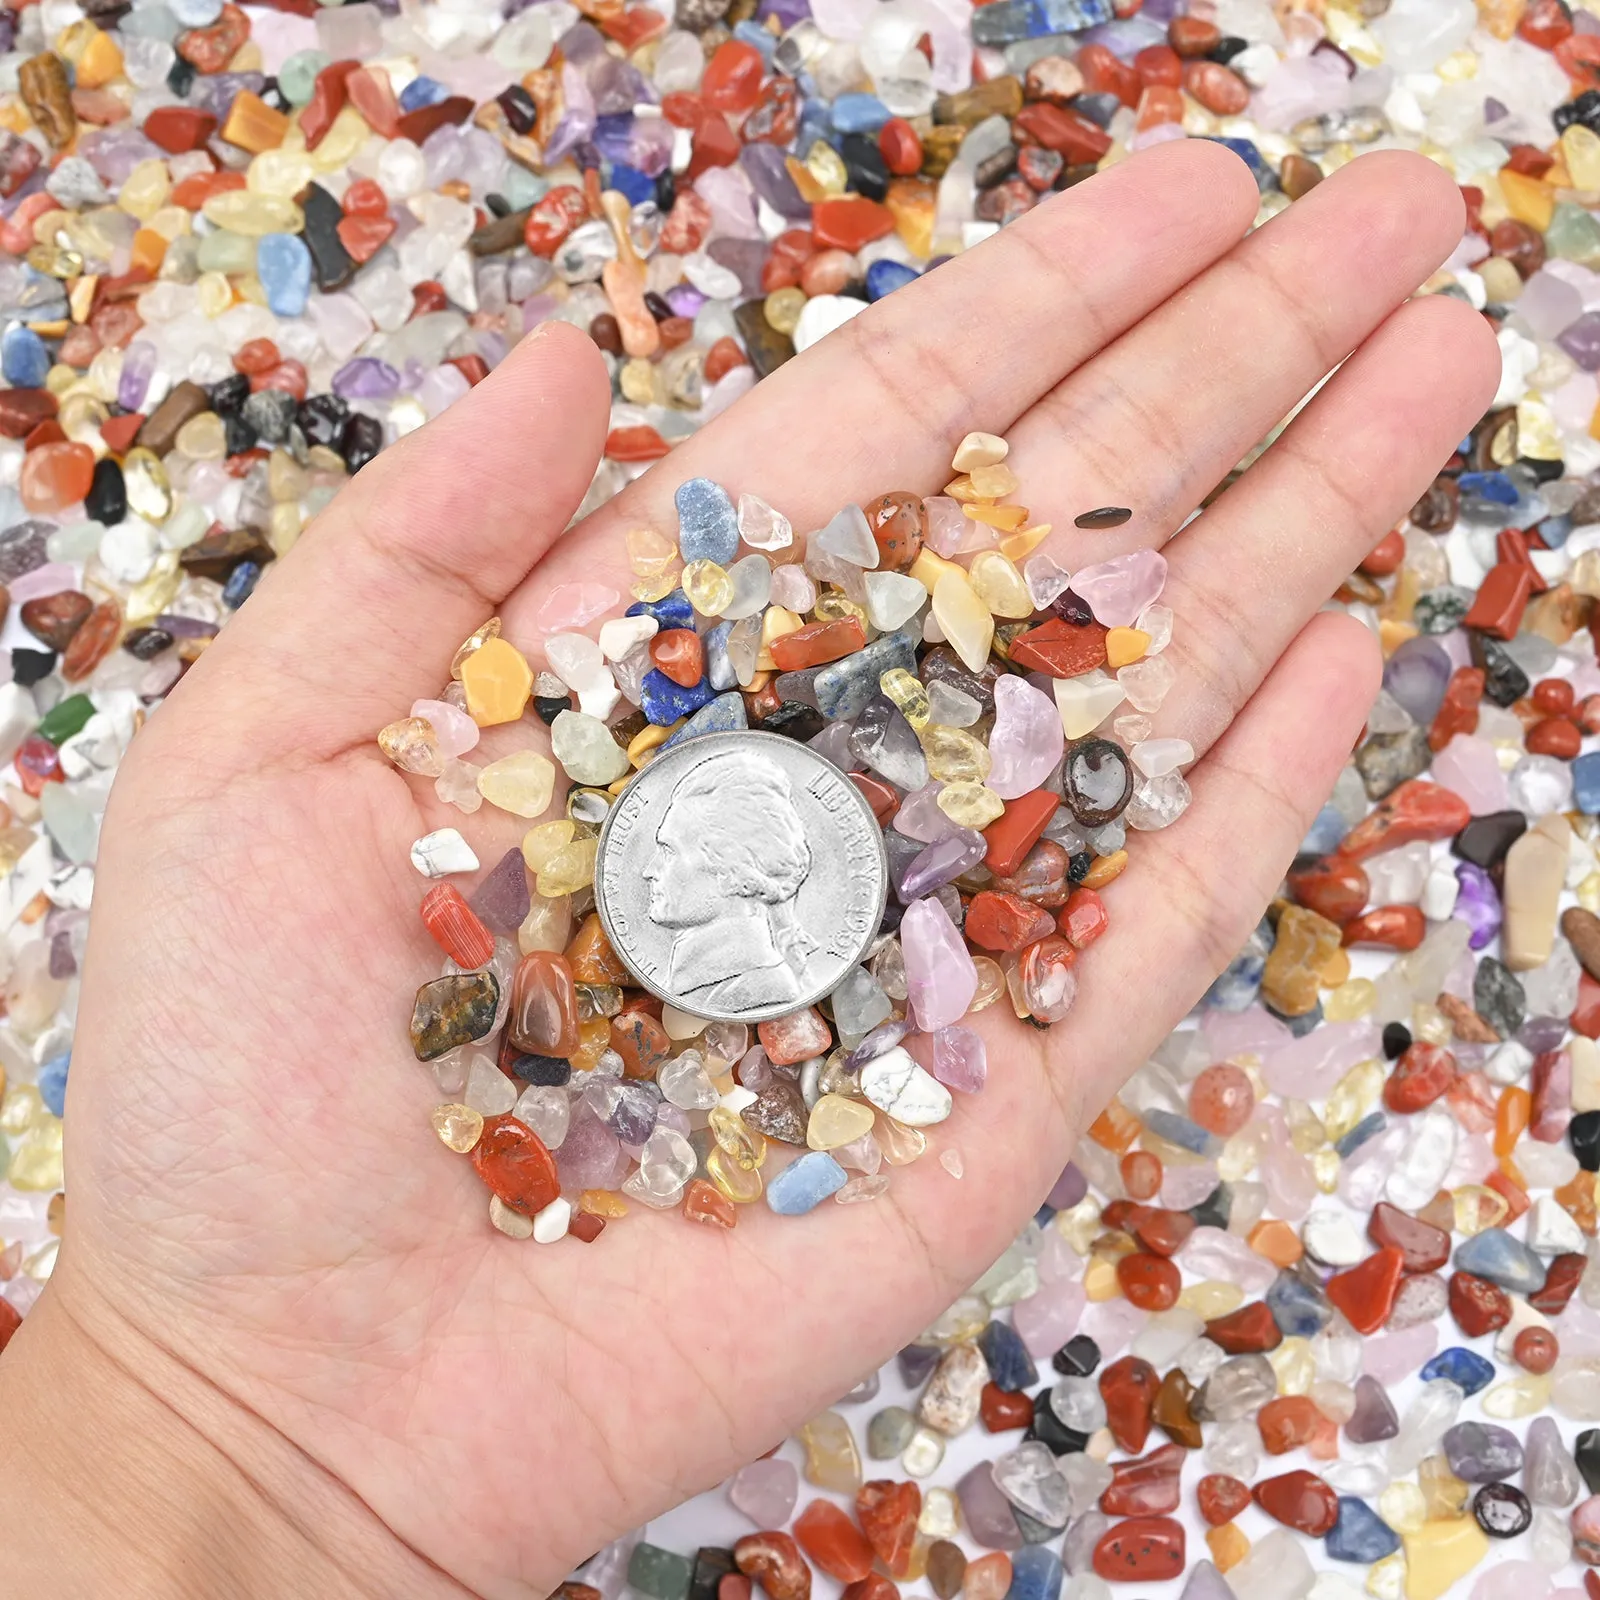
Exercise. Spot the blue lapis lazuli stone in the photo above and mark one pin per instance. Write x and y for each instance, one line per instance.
(803, 1185)
(859, 113)
(241, 584)
(1010, 1366)
(1299, 1310)
(1360, 1534)
(24, 358)
(1032, 19)
(708, 526)
(671, 611)
(1495, 1255)
(52, 1084)
(725, 714)
(1495, 487)
(1035, 1574)
(283, 264)
(885, 276)
(630, 181)
(1586, 783)
(664, 701)
(1464, 1368)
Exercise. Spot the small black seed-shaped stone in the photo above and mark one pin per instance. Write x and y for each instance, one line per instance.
(794, 719)
(29, 667)
(1078, 1357)
(1396, 1040)
(107, 499)
(1504, 681)
(229, 394)
(1583, 1133)
(1104, 517)
(180, 77)
(550, 706)
(1215, 1210)
(1050, 1430)
(1227, 47)
(321, 418)
(1502, 1510)
(1079, 865)
(1586, 1452)
(145, 644)
(1071, 608)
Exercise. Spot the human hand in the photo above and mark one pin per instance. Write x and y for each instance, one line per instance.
(278, 1305)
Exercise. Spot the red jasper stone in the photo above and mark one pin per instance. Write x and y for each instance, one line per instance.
(833, 1541)
(1129, 1388)
(642, 1043)
(641, 443)
(1546, 23)
(1332, 887)
(364, 237)
(1248, 1331)
(732, 79)
(900, 147)
(882, 796)
(1535, 1350)
(1104, 73)
(1221, 1498)
(678, 653)
(1419, 1077)
(512, 1159)
(1398, 927)
(1559, 1283)
(1163, 1232)
(553, 217)
(1002, 1411)
(1385, 556)
(817, 643)
(1554, 696)
(1159, 67)
(1300, 1500)
(796, 1037)
(1141, 1174)
(1060, 648)
(1005, 921)
(1142, 1549)
(1555, 736)
(1502, 598)
(1083, 919)
(888, 1512)
(1058, 128)
(872, 1587)
(1146, 1486)
(328, 96)
(1585, 1018)
(1458, 712)
(1193, 37)
(1417, 810)
(774, 1561)
(1216, 87)
(1288, 1422)
(179, 128)
(1478, 1306)
(847, 222)
(1149, 1282)
(1366, 1291)
(1422, 1247)
(1016, 830)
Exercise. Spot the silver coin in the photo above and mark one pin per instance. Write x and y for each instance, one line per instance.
(740, 876)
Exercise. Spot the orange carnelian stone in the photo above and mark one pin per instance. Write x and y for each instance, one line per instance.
(591, 956)
(849, 221)
(796, 1037)
(1277, 1241)
(56, 476)
(723, 357)
(455, 927)
(872, 1587)
(1398, 927)
(1159, 66)
(1006, 921)
(1141, 1174)
(888, 1512)
(833, 1542)
(364, 237)
(1116, 1128)
(511, 1158)
(678, 653)
(1216, 87)
(732, 79)
(1288, 1422)
(1222, 1099)
(544, 1006)
(900, 148)
(898, 522)
(817, 643)
(642, 1043)
(1384, 558)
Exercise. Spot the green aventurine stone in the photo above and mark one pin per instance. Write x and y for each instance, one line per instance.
(1574, 235)
(66, 718)
(453, 1011)
(662, 1574)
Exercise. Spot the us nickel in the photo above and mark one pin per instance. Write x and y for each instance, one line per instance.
(741, 876)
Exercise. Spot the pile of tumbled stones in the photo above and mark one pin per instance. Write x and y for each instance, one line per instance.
(241, 252)
(958, 678)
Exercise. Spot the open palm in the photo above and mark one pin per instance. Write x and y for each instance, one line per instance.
(264, 1232)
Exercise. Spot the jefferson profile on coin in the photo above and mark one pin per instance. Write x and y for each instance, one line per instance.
(733, 857)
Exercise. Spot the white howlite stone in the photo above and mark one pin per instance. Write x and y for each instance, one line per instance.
(1440, 891)
(619, 635)
(1510, 1062)
(1552, 1231)
(436, 855)
(1424, 1160)
(822, 314)
(1333, 1238)
(896, 1085)
(551, 1223)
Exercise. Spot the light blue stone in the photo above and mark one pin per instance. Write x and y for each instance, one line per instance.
(1327, 829)
(53, 1083)
(1360, 1534)
(804, 1184)
(297, 77)
(1373, 1123)
(1182, 1132)
(422, 91)
(1035, 1574)
(24, 358)
(885, 276)
(708, 526)
(752, 33)
(719, 669)
(1007, 20)
(1464, 1368)
(1300, 1311)
(523, 188)
(725, 714)
(859, 113)
(843, 688)
(1237, 985)
(1495, 1255)
(195, 13)
(1586, 783)
(283, 264)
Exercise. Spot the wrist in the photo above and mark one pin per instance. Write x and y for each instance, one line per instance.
(124, 1473)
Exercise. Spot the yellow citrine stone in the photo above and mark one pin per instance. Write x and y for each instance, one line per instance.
(1124, 646)
(1440, 1553)
(997, 583)
(1401, 1505)
(1228, 1545)
(970, 805)
(1527, 199)
(965, 620)
(1580, 146)
(832, 1460)
(742, 1185)
(458, 1126)
(498, 681)
(836, 1120)
(1100, 1280)
(521, 783)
